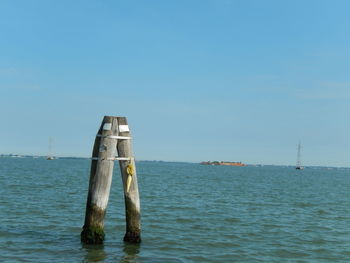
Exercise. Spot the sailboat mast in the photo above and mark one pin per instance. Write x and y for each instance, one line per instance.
(49, 156)
(299, 157)
(50, 147)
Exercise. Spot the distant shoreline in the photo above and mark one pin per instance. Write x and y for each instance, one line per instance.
(214, 163)
(223, 163)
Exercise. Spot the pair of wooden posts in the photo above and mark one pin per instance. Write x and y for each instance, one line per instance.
(113, 137)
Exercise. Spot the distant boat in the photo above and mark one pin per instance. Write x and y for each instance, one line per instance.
(299, 166)
(50, 156)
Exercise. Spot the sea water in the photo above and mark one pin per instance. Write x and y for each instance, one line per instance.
(190, 213)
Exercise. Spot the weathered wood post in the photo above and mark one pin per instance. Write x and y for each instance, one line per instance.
(102, 163)
(131, 191)
(113, 135)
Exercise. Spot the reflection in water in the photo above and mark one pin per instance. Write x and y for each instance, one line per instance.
(94, 253)
(131, 253)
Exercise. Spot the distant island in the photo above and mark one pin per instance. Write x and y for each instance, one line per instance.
(223, 163)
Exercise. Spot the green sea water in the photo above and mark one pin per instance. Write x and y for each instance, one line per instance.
(190, 213)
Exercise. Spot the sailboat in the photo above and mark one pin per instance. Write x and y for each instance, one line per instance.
(50, 156)
(299, 166)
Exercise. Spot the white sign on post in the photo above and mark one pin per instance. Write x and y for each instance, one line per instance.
(107, 126)
(123, 128)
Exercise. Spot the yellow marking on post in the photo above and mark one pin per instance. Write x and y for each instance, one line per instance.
(130, 171)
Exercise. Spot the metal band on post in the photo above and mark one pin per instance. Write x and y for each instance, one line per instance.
(115, 137)
(114, 159)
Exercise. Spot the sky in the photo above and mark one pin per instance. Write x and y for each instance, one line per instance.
(198, 80)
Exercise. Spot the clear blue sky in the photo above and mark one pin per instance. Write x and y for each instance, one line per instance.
(198, 80)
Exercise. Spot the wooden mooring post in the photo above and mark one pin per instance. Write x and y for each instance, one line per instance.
(113, 137)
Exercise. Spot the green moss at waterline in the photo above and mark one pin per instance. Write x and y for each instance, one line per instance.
(92, 235)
